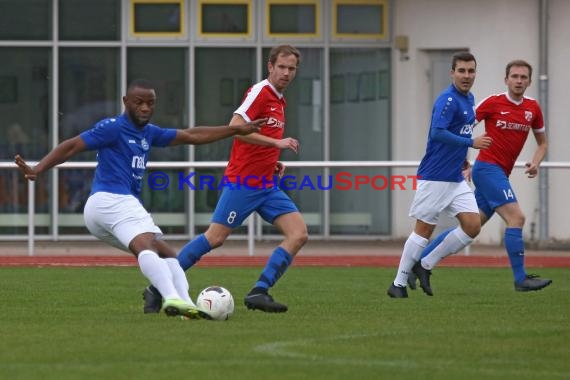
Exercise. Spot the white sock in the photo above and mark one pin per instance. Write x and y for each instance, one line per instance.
(412, 252)
(179, 279)
(156, 270)
(454, 242)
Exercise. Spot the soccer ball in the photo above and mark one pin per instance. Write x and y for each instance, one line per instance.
(217, 302)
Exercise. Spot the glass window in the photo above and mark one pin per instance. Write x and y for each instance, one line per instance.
(88, 92)
(359, 19)
(89, 20)
(360, 113)
(88, 89)
(304, 106)
(167, 69)
(298, 18)
(25, 101)
(157, 18)
(25, 90)
(25, 19)
(225, 19)
(219, 90)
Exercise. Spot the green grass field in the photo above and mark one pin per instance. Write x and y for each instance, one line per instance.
(87, 323)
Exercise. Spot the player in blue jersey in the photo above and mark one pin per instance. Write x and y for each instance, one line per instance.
(442, 187)
(113, 212)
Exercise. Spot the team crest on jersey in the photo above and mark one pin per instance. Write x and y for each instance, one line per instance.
(144, 144)
(528, 115)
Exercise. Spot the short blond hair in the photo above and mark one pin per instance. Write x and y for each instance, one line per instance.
(284, 50)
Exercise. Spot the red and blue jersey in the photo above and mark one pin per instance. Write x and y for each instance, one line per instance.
(250, 163)
(508, 123)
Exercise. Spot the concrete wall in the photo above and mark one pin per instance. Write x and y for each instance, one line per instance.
(558, 115)
(495, 31)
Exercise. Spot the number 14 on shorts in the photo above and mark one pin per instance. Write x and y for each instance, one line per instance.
(508, 194)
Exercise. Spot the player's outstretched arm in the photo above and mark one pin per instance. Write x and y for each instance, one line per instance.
(205, 135)
(58, 155)
(259, 139)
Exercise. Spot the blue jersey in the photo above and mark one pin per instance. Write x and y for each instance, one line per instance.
(455, 112)
(122, 153)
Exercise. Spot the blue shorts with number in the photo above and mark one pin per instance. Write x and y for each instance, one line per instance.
(237, 203)
(492, 187)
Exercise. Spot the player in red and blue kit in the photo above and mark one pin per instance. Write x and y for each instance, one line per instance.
(250, 172)
(113, 212)
(441, 187)
(509, 117)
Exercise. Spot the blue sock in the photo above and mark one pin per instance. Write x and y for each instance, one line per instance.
(515, 248)
(277, 264)
(193, 251)
(435, 242)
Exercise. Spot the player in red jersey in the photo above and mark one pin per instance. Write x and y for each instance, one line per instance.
(250, 176)
(508, 117)
(258, 161)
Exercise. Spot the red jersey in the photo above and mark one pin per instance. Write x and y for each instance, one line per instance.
(258, 161)
(507, 122)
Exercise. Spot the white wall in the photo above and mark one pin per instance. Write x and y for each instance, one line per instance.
(558, 115)
(495, 31)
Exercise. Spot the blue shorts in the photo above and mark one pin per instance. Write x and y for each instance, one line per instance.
(492, 187)
(235, 205)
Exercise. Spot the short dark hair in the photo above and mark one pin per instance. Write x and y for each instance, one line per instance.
(140, 83)
(518, 63)
(463, 56)
(285, 50)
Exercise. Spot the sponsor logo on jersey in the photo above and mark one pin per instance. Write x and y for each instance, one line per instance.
(274, 123)
(502, 124)
(467, 129)
(138, 162)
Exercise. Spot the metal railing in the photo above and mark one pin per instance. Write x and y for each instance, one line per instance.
(221, 164)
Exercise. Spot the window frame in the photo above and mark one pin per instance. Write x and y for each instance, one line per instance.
(200, 34)
(383, 35)
(137, 35)
(313, 36)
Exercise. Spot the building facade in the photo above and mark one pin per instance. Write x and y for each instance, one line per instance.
(369, 73)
